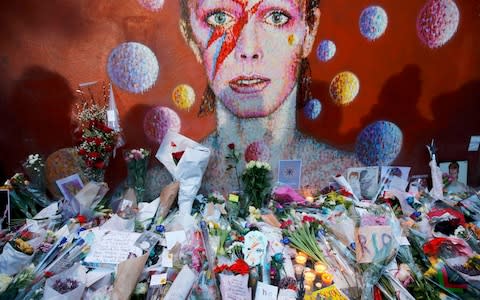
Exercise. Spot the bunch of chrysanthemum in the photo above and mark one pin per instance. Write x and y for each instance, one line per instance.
(97, 140)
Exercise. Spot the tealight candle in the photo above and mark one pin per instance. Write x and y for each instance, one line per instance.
(309, 199)
(318, 285)
(320, 268)
(327, 278)
(309, 277)
(300, 259)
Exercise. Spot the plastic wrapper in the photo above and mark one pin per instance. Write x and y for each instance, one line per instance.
(182, 285)
(190, 167)
(77, 273)
(377, 240)
(13, 261)
(205, 287)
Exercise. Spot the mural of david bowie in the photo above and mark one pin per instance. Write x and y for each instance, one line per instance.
(254, 53)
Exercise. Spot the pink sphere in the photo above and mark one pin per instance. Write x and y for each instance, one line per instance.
(158, 121)
(437, 22)
(257, 151)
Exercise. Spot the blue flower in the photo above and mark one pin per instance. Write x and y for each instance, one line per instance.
(286, 241)
(160, 228)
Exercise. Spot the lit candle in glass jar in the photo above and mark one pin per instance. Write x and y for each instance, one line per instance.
(309, 277)
(309, 199)
(301, 259)
(327, 278)
(320, 268)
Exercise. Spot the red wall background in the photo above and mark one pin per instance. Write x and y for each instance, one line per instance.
(49, 47)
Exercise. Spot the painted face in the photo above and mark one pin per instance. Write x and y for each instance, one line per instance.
(251, 50)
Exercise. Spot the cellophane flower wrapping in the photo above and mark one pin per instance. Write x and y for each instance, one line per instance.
(76, 273)
(137, 165)
(377, 240)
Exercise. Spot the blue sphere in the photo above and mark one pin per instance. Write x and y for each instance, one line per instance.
(379, 143)
(373, 22)
(312, 109)
(326, 50)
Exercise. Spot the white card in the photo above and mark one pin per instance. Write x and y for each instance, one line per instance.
(158, 279)
(266, 291)
(167, 259)
(172, 237)
(113, 248)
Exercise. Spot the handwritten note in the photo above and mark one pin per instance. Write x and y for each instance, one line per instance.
(112, 248)
(234, 287)
(266, 291)
(373, 243)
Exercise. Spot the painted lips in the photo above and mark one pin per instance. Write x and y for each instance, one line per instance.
(249, 84)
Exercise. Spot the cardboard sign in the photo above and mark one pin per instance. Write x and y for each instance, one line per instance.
(373, 243)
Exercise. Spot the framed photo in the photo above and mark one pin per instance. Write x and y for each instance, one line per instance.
(289, 172)
(457, 169)
(364, 181)
(70, 186)
(4, 208)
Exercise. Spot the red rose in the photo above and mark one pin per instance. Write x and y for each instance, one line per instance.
(100, 165)
(90, 139)
(219, 269)
(82, 151)
(48, 274)
(285, 224)
(231, 146)
(98, 141)
(239, 267)
(177, 156)
(108, 148)
(94, 155)
(308, 219)
(81, 219)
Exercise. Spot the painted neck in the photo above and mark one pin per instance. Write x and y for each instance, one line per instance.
(276, 129)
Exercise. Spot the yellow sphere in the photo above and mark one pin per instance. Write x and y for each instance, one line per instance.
(344, 88)
(183, 96)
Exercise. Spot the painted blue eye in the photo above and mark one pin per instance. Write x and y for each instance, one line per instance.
(220, 19)
(277, 18)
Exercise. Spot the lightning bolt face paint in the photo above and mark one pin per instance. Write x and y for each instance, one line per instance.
(250, 50)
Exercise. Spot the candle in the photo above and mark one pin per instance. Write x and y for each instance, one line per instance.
(298, 270)
(320, 268)
(309, 199)
(309, 277)
(327, 278)
(318, 285)
(308, 289)
(300, 259)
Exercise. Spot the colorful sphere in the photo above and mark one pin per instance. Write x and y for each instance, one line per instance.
(379, 143)
(153, 5)
(326, 50)
(257, 150)
(183, 96)
(373, 22)
(158, 121)
(344, 88)
(133, 67)
(437, 22)
(312, 109)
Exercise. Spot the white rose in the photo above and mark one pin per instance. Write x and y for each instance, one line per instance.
(258, 164)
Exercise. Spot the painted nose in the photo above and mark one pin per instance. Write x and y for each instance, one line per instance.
(248, 48)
